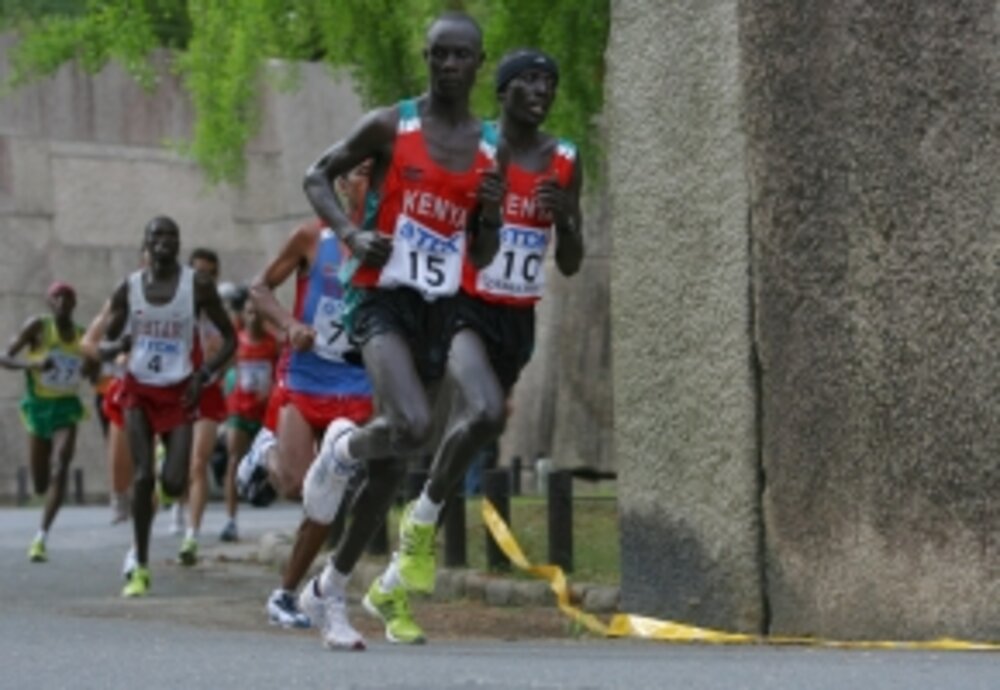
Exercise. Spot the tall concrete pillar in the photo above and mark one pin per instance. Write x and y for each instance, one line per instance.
(684, 390)
(873, 164)
(837, 162)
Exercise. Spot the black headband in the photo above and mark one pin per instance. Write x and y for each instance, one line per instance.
(522, 60)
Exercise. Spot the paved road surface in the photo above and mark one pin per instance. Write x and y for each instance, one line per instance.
(62, 625)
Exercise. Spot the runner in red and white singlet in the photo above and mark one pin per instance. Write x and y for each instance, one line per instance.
(435, 198)
(159, 306)
(493, 319)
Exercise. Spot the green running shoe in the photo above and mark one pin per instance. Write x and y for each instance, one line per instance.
(416, 553)
(138, 583)
(393, 608)
(36, 552)
(188, 555)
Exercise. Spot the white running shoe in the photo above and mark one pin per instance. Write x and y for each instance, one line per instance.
(282, 610)
(338, 633)
(311, 603)
(256, 456)
(129, 564)
(252, 477)
(177, 522)
(327, 478)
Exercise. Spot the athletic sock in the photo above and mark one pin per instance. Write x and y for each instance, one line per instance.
(42, 535)
(390, 580)
(341, 450)
(191, 533)
(332, 582)
(426, 511)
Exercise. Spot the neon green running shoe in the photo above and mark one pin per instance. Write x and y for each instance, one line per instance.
(36, 552)
(188, 555)
(416, 553)
(138, 583)
(393, 609)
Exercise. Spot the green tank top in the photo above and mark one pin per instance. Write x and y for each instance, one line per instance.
(62, 380)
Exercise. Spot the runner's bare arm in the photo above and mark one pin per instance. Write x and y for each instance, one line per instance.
(29, 336)
(91, 340)
(564, 204)
(208, 302)
(114, 343)
(296, 255)
(372, 137)
(487, 218)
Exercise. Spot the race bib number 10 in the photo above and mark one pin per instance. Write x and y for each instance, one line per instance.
(517, 269)
(424, 260)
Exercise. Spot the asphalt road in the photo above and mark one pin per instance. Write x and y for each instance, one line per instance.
(62, 625)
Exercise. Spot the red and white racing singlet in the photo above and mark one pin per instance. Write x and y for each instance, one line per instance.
(162, 334)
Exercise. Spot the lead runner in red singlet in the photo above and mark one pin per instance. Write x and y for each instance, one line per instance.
(160, 305)
(494, 314)
(435, 197)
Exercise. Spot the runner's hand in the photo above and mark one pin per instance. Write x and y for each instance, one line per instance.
(300, 336)
(371, 247)
(554, 199)
(192, 394)
(493, 186)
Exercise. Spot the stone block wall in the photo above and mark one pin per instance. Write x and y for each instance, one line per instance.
(85, 161)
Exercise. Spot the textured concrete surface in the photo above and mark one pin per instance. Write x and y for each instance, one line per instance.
(873, 150)
(684, 395)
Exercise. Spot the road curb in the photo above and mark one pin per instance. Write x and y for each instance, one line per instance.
(273, 548)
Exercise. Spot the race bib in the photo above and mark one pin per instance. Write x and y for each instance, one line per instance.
(254, 376)
(424, 260)
(63, 375)
(331, 339)
(158, 359)
(517, 269)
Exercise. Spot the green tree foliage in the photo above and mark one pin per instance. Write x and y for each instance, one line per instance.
(221, 49)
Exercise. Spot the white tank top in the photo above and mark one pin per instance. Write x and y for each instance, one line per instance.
(162, 334)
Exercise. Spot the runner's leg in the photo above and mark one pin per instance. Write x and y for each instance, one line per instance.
(64, 442)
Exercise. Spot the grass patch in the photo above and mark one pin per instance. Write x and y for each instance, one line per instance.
(595, 535)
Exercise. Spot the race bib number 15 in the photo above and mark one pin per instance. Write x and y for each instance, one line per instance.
(424, 260)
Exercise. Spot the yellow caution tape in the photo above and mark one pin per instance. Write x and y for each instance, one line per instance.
(629, 625)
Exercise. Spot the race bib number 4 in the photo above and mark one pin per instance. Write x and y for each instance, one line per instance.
(63, 374)
(424, 260)
(517, 269)
(331, 339)
(158, 359)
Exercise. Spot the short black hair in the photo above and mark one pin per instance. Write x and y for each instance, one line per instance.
(204, 254)
(456, 16)
(162, 221)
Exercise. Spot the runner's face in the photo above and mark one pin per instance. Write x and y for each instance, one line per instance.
(454, 53)
(528, 97)
(207, 267)
(163, 243)
(62, 305)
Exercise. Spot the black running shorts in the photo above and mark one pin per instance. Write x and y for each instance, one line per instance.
(508, 333)
(423, 324)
